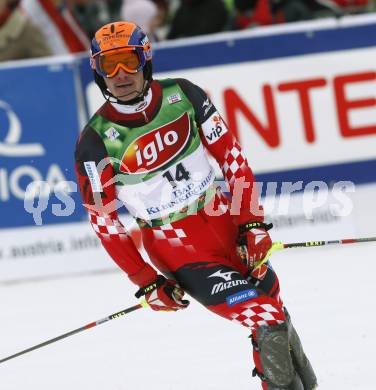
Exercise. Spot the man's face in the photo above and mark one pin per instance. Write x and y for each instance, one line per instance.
(125, 86)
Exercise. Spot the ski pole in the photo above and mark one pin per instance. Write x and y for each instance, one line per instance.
(121, 313)
(279, 245)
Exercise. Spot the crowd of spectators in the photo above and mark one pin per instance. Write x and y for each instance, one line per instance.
(36, 28)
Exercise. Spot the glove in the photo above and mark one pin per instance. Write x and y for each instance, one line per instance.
(163, 295)
(253, 242)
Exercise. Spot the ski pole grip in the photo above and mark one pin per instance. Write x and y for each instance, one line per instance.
(276, 246)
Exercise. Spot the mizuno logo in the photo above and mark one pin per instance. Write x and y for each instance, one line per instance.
(206, 103)
(227, 276)
(224, 275)
(226, 285)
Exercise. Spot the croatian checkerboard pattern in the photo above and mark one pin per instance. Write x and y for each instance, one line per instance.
(235, 163)
(255, 315)
(107, 227)
(174, 237)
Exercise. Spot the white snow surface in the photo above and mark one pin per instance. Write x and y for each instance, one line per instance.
(329, 291)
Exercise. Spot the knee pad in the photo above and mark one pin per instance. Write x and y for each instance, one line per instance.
(301, 363)
(276, 362)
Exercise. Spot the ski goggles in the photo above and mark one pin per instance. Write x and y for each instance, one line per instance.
(108, 64)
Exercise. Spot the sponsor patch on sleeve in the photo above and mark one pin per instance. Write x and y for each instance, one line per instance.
(214, 128)
(93, 176)
(241, 296)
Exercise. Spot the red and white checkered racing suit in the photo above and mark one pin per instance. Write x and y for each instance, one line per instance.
(154, 158)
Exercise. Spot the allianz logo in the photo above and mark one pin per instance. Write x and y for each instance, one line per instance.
(11, 146)
(228, 282)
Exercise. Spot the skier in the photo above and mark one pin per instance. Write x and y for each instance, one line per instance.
(148, 147)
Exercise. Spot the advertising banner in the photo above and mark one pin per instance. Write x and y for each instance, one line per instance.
(39, 127)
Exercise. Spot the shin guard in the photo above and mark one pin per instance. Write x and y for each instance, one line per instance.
(301, 363)
(274, 363)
